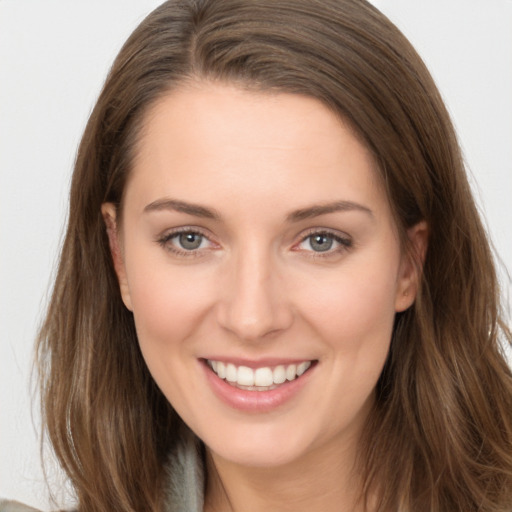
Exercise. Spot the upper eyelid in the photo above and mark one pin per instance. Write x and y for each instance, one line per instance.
(169, 233)
(324, 231)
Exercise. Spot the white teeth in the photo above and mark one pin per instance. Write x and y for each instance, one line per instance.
(231, 373)
(221, 370)
(279, 374)
(303, 367)
(291, 372)
(261, 378)
(245, 376)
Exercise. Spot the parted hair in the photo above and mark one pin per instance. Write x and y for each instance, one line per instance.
(439, 438)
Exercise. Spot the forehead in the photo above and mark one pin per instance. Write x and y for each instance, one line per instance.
(211, 140)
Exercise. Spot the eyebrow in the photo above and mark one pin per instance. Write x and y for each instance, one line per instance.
(183, 207)
(323, 209)
(295, 216)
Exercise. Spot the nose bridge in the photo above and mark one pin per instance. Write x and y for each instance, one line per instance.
(254, 303)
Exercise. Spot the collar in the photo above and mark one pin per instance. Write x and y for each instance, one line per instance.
(184, 490)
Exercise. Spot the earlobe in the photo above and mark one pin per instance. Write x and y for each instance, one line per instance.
(411, 267)
(109, 213)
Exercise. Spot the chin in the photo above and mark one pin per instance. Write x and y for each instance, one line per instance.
(260, 454)
(262, 446)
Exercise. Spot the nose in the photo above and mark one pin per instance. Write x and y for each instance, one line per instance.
(254, 304)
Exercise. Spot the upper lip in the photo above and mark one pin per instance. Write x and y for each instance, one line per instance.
(259, 363)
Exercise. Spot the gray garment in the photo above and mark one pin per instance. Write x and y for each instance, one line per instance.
(14, 506)
(185, 475)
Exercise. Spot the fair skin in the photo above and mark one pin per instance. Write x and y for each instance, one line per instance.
(255, 233)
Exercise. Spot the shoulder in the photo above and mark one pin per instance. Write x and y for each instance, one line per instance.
(14, 506)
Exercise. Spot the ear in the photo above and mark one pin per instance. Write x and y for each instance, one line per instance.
(109, 212)
(411, 266)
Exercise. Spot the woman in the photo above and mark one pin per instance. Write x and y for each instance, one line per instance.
(275, 291)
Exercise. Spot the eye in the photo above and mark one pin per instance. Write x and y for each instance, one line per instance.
(320, 242)
(189, 241)
(324, 242)
(185, 242)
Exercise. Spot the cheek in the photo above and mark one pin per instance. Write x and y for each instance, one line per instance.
(169, 305)
(353, 316)
(168, 301)
(354, 302)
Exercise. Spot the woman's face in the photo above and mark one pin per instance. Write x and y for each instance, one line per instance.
(256, 244)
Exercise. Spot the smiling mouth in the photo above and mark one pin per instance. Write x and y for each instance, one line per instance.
(264, 378)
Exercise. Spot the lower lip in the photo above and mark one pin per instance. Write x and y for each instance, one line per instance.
(255, 401)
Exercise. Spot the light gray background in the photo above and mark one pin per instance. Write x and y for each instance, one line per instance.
(54, 56)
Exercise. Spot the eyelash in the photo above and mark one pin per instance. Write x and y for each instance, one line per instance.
(165, 240)
(344, 243)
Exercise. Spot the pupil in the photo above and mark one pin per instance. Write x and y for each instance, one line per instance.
(321, 243)
(190, 240)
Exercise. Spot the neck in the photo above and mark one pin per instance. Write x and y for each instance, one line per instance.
(319, 481)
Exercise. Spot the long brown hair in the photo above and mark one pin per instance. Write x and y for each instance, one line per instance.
(440, 435)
